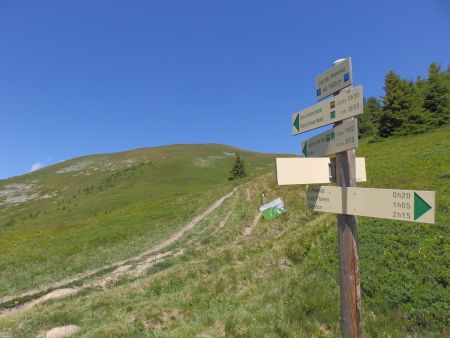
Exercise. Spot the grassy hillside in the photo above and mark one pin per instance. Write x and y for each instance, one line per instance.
(93, 210)
(405, 266)
(280, 278)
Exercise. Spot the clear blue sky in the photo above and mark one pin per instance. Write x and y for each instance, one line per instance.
(85, 77)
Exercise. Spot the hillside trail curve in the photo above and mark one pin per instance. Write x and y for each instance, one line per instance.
(57, 289)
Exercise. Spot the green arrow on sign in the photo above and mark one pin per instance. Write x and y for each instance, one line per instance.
(305, 149)
(297, 122)
(420, 206)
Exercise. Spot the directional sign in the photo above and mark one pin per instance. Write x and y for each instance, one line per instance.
(334, 79)
(340, 138)
(337, 108)
(298, 170)
(404, 205)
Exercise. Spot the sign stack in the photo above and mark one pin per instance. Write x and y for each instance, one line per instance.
(405, 205)
(346, 199)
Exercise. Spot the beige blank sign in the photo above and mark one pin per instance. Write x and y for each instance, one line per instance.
(298, 170)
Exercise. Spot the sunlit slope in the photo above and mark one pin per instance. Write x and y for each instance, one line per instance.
(280, 278)
(92, 210)
(404, 265)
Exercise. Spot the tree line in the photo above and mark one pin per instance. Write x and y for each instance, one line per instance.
(408, 107)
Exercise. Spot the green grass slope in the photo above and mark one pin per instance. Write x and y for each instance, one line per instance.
(406, 265)
(281, 279)
(90, 211)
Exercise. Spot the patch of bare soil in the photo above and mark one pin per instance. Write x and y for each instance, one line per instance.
(61, 331)
(248, 194)
(249, 227)
(59, 293)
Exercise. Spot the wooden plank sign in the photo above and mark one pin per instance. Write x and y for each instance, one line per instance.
(340, 138)
(337, 108)
(396, 204)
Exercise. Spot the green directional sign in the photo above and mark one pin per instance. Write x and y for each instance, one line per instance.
(296, 123)
(305, 149)
(420, 206)
(396, 204)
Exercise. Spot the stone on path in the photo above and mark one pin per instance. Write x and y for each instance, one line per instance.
(62, 331)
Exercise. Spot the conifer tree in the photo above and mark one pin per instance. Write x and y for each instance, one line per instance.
(397, 116)
(437, 95)
(238, 170)
(408, 107)
(390, 119)
(368, 122)
(415, 120)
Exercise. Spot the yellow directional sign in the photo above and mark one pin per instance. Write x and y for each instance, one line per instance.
(396, 204)
(337, 108)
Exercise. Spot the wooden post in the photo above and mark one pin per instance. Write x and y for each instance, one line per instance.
(350, 292)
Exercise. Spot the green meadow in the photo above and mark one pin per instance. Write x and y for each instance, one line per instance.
(277, 279)
(95, 210)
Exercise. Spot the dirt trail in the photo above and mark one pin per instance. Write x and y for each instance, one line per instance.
(248, 194)
(227, 216)
(103, 282)
(225, 220)
(121, 267)
(249, 227)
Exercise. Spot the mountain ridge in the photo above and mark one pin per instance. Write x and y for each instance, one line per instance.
(137, 150)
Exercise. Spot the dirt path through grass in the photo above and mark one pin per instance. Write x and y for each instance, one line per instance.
(56, 289)
(249, 227)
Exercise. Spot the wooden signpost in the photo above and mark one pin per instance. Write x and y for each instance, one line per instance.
(345, 199)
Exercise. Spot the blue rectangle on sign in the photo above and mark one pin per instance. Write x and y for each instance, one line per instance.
(319, 92)
(346, 77)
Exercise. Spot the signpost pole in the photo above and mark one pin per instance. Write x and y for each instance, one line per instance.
(345, 199)
(350, 292)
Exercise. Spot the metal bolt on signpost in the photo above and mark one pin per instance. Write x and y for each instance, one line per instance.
(350, 291)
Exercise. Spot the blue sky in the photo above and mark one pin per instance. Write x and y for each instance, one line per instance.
(85, 77)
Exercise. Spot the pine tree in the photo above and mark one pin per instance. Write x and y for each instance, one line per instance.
(368, 122)
(390, 118)
(401, 113)
(238, 170)
(437, 95)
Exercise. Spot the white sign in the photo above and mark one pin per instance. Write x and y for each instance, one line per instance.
(337, 108)
(298, 170)
(334, 79)
(340, 138)
(272, 204)
(396, 204)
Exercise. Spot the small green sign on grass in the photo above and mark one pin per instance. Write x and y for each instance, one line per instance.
(273, 209)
